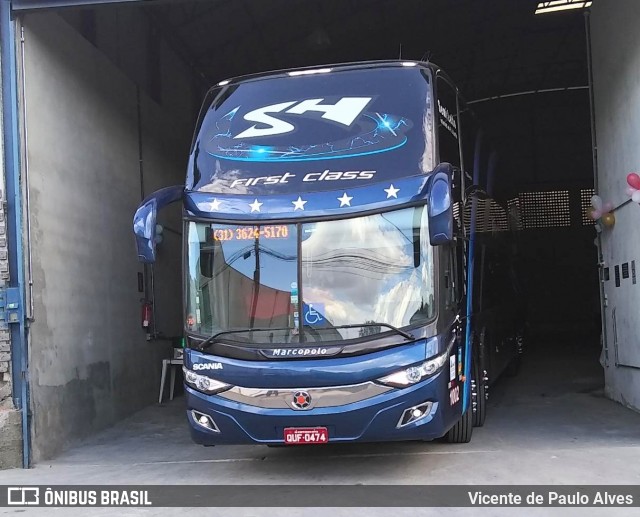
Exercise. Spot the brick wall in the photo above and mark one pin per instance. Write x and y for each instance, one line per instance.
(10, 419)
(5, 347)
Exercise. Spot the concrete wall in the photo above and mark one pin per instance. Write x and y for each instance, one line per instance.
(128, 37)
(616, 61)
(90, 364)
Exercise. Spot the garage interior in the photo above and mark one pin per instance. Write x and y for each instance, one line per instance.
(109, 97)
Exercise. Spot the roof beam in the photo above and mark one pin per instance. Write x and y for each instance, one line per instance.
(25, 5)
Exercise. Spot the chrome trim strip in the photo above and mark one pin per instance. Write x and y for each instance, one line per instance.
(282, 398)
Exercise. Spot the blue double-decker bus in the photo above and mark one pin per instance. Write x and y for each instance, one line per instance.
(334, 264)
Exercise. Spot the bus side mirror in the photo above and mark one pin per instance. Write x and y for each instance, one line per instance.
(144, 220)
(439, 206)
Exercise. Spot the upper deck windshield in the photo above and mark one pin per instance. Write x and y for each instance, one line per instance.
(371, 271)
(279, 134)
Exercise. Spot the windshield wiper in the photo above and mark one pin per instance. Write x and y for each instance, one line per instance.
(403, 333)
(211, 339)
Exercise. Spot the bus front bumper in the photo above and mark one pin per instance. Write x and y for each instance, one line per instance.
(376, 419)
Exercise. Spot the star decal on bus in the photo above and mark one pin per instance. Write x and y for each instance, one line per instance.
(215, 204)
(255, 206)
(391, 191)
(345, 200)
(298, 204)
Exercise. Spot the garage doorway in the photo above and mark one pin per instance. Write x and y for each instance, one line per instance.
(111, 96)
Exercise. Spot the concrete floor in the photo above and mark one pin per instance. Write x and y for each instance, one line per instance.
(549, 425)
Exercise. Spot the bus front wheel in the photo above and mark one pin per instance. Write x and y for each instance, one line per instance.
(478, 396)
(461, 432)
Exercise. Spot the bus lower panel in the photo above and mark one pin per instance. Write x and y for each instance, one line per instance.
(372, 420)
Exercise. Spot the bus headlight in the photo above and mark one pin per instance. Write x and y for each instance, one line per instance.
(415, 374)
(203, 383)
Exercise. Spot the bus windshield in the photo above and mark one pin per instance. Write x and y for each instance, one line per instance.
(279, 134)
(305, 283)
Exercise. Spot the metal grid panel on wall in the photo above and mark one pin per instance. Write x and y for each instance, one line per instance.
(532, 210)
(498, 217)
(585, 204)
(515, 214)
(490, 216)
(545, 209)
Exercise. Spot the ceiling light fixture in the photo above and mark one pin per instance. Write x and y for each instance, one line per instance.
(561, 5)
(310, 72)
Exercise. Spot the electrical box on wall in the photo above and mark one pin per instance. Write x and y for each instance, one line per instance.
(10, 310)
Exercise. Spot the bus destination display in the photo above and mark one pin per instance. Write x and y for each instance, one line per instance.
(242, 233)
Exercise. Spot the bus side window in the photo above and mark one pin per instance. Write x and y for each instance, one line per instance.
(481, 278)
(456, 283)
(469, 132)
(447, 113)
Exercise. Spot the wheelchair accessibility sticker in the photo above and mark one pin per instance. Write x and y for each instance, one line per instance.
(313, 313)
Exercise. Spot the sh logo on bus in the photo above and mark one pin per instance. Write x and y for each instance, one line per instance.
(344, 112)
(313, 313)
